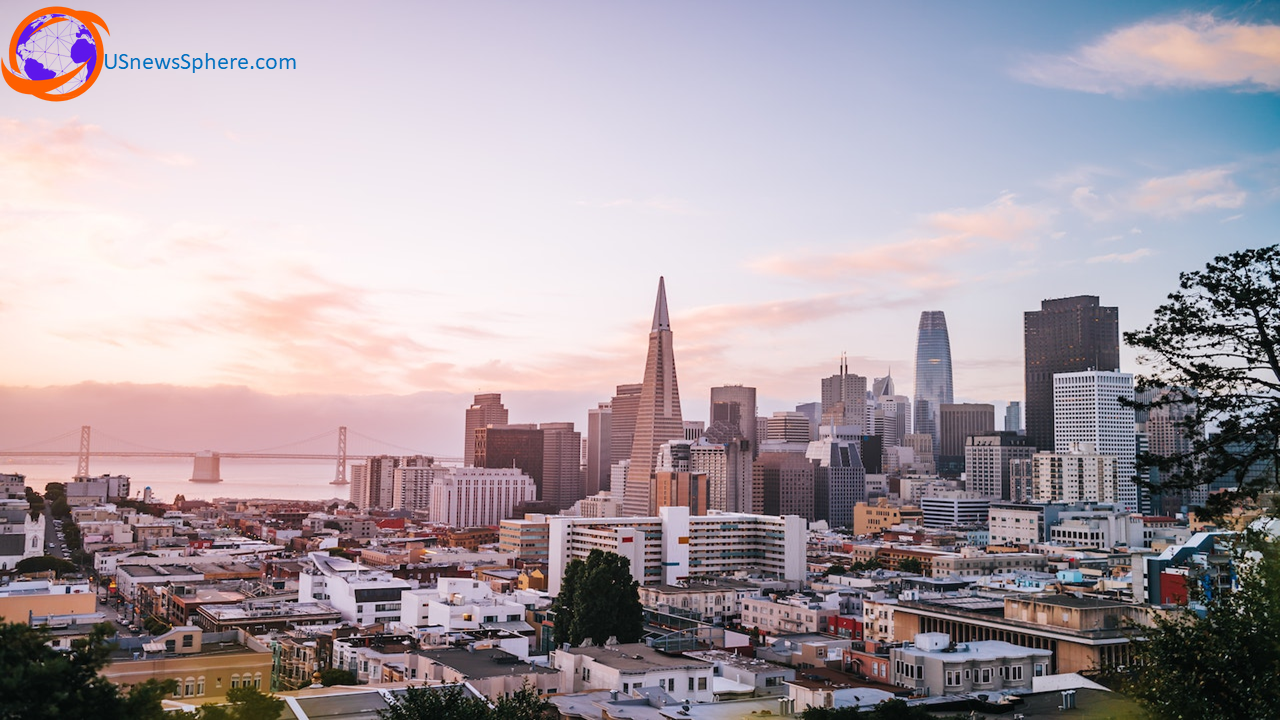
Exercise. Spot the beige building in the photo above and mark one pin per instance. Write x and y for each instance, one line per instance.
(870, 519)
(1084, 633)
(22, 599)
(528, 538)
(205, 665)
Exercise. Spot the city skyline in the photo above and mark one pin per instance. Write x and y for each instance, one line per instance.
(501, 230)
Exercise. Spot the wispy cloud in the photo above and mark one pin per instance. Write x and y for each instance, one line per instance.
(1167, 196)
(941, 237)
(1193, 51)
(1120, 257)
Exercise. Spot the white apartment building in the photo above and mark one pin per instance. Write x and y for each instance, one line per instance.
(1079, 474)
(458, 605)
(675, 546)
(363, 595)
(1087, 409)
(954, 509)
(479, 497)
(1013, 524)
(626, 668)
(1101, 529)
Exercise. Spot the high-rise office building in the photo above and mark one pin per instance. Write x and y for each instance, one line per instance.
(658, 418)
(475, 497)
(785, 480)
(1066, 335)
(736, 404)
(1165, 435)
(511, 446)
(680, 489)
(813, 411)
(724, 456)
(693, 429)
(956, 422)
(599, 439)
(1013, 417)
(933, 373)
(562, 481)
(1087, 409)
(622, 427)
(485, 410)
(789, 427)
(986, 462)
(844, 398)
(839, 481)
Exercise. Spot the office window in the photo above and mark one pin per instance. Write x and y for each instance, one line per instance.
(200, 685)
(235, 681)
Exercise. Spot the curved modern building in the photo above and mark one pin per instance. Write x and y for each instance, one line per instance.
(933, 372)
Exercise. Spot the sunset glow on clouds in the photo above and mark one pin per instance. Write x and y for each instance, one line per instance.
(808, 181)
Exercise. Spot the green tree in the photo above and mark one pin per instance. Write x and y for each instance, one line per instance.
(44, 562)
(837, 569)
(38, 682)
(1223, 664)
(524, 704)
(565, 603)
(244, 703)
(1215, 347)
(911, 565)
(451, 702)
(606, 601)
(338, 676)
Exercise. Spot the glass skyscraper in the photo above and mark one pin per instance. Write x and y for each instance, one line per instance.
(933, 372)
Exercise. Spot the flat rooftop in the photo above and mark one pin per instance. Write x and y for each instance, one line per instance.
(636, 658)
(484, 663)
(1080, 603)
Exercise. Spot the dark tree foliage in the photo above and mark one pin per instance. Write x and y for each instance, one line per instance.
(1215, 347)
(603, 601)
(42, 563)
(38, 682)
(837, 569)
(445, 703)
(565, 603)
(887, 710)
(243, 703)
(1224, 665)
(455, 703)
(337, 676)
(911, 565)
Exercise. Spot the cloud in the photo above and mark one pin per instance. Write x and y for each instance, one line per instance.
(1191, 191)
(1120, 257)
(1189, 52)
(945, 236)
(1168, 196)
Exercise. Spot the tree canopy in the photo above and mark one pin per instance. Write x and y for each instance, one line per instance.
(1221, 665)
(598, 600)
(453, 702)
(1214, 347)
(40, 563)
(38, 682)
(337, 676)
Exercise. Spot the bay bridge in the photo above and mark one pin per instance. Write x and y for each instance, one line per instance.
(207, 463)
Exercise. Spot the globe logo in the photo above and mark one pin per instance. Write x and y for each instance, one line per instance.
(56, 54)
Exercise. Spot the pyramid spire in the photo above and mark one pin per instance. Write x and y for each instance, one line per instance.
(661, 320)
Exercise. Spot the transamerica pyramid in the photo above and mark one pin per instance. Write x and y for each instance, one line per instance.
(658, 418)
